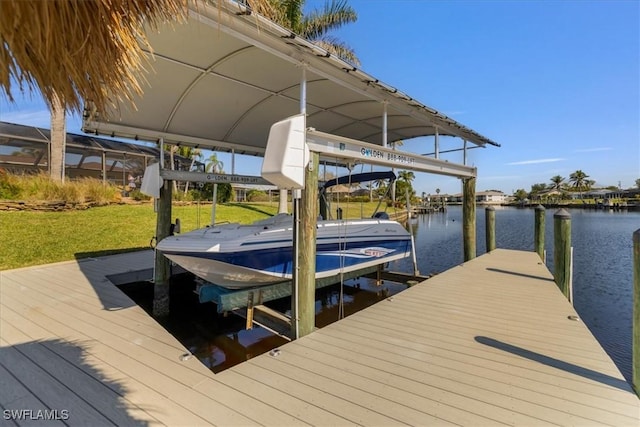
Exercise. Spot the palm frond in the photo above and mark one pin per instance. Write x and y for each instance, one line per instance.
(82, 50)
(339, 49)
(334, 15)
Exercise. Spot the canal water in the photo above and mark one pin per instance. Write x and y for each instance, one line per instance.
(603, 283)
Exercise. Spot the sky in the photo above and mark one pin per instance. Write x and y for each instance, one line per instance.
(556, 83)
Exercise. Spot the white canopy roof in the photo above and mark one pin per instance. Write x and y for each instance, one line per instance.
(223, 78)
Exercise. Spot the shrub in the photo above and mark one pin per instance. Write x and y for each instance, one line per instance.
(257, 196)
(139, 195)
(42, 187)
(9, 188)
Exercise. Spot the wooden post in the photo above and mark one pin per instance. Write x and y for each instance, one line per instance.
(282, 202)
(490, 227)
(635, 376)
(562, 250)
(324, 209)
(469, 218)
(307, 256)
(162, 270)
(538, 239)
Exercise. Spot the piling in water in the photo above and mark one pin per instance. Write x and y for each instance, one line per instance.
(538, 240)
(162, 270)
(562, 251)
(307, 256)
(635, 376)
(469, 218)
(490, 227)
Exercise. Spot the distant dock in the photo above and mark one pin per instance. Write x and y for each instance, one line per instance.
(489, 342)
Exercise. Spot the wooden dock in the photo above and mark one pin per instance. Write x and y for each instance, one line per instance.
(489, 342)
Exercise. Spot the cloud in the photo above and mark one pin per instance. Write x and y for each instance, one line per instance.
(591, 150)
(533, 162)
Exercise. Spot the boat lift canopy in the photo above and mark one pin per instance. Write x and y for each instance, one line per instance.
(222, 79)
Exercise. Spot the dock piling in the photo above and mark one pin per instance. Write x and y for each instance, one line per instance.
(162, 268)
(562, 251)
(307, 255)
(635, 376)
(469, 218)
(490, 227)
(538, 242)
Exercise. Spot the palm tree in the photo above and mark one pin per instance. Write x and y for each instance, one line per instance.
(193, 153)
(406, 176)
(579, 180)
(57, 147)
(214, 165)
(557, 182)
(316, 25)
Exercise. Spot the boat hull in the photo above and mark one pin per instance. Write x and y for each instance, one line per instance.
(244, 256)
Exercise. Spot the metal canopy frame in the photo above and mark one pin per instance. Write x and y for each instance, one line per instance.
(223, 78)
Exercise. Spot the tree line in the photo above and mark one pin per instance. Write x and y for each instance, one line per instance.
(578, 182)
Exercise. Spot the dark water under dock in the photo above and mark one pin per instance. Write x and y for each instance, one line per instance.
(221, 341)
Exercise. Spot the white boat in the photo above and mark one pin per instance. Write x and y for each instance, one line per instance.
(239, 256)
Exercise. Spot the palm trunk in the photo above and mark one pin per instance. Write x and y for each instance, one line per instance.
(58, 141)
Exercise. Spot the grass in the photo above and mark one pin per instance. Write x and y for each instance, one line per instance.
(41, 187)
(38, 237)
(34, 237)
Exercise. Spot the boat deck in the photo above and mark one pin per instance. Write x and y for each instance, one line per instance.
(488, 342)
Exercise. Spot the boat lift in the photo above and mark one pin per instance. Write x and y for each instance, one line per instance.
(285, 163)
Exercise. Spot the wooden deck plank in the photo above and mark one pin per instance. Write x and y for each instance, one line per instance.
(345, 393)
(449, 407)
(253, 408)
(288, 400)
(467, 372)
(91, 390)
(457, 337)
(322, 399)
(53, 394)
(14, 395)
(84, 324)
(132, 318)
(489, 398)
(155, 403)
(485, 343)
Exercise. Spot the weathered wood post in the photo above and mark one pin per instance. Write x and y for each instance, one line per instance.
(469, 218)
(162, 270)
(490, 227)
(307, 256)
(562, 250)
(538, 239)
(324, 209)
(635, 376)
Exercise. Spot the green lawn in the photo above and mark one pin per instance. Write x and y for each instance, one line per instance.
(33, 238)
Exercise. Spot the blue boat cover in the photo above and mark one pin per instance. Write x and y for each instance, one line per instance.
(360, 177)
